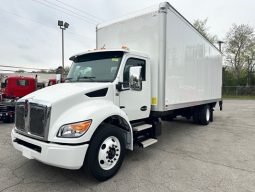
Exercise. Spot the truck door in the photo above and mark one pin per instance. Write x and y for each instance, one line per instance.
(136, 104)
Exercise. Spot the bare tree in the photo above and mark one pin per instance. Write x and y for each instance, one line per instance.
(201, 26)
(238, 41)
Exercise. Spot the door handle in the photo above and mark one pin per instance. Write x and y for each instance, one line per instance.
(143, 108)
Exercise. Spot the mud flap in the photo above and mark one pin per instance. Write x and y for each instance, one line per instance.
(221, 105)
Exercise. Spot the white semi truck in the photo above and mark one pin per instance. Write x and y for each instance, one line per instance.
(115, 96)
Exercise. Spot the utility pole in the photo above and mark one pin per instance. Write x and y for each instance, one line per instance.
(63, 25)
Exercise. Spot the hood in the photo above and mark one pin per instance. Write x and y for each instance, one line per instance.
(63, 91)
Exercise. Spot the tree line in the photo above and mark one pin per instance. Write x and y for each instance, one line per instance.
(239, 53)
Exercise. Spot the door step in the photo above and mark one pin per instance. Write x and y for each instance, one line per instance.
(142, 127)
(148, 142)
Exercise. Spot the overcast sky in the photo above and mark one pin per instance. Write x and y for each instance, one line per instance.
(30, 36)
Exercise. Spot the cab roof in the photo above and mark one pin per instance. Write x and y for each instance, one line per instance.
(20, 77)
(125, 50)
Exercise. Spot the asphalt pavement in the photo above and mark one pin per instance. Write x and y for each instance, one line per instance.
(188, 158)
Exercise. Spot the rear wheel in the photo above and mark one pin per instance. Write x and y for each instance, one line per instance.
(204, 115)
(106, 152)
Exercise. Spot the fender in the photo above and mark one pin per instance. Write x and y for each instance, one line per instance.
(97, 110)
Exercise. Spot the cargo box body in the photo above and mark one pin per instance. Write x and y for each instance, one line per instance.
(186, 68)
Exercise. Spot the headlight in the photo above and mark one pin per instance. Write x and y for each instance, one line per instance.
(74, 130)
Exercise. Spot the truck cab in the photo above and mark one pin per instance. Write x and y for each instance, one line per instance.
(18, 86)
(104, 90)
(113, 66)
(13, 88)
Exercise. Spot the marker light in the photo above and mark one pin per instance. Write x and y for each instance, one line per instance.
(124, 47)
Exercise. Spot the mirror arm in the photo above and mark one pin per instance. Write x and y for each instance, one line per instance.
(120, 87)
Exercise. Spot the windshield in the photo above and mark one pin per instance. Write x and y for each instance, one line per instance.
(98, 67)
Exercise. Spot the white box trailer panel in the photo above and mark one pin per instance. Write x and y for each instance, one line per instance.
(140, 33)
(193, 65)
(186, 67)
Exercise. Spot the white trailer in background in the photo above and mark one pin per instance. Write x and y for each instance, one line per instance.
(115, 97)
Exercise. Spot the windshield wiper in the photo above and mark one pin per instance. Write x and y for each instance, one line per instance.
(86, 77)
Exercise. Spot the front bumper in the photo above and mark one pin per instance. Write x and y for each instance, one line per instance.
(64, 156)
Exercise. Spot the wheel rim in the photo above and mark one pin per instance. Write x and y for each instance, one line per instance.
(109, 153)
(207, 114)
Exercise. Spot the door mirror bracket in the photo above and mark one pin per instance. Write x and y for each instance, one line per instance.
(122, 86)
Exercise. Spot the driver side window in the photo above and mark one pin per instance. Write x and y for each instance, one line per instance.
(133, 62)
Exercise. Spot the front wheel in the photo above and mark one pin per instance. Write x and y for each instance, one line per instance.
(106, 152)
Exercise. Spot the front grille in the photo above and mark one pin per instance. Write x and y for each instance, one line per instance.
(32, 119)
(37, 120)
(20, 117)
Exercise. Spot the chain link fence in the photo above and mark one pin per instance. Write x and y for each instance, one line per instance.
(238, 90)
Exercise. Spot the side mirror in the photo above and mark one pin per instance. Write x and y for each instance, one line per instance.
(135, 78)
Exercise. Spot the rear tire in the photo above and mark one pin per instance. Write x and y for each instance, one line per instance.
(204, 115)
(106, 152)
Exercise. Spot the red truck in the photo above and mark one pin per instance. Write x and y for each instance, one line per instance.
(54, 81)
(13, 88)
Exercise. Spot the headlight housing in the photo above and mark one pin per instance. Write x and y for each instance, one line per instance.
(74, 130)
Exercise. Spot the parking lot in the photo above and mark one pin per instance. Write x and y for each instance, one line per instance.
(188, 157)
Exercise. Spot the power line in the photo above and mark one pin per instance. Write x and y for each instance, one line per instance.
(74, 12)
(82, 11)
(61, 7)
(9, 66)
(8, 70)
(58, 9)
(43, 24)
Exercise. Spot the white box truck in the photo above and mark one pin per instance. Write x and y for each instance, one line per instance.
(114, 96)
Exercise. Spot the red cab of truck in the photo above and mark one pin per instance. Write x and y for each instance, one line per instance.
(54, 81)
(16, 87)
(13, 88)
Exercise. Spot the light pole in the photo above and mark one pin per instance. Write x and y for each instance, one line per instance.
(63, 25)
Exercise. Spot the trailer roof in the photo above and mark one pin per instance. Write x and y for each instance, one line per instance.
(150, 10)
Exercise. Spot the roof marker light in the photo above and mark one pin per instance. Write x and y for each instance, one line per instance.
(124, 47)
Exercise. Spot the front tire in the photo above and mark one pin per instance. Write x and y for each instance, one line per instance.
(106, 152)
